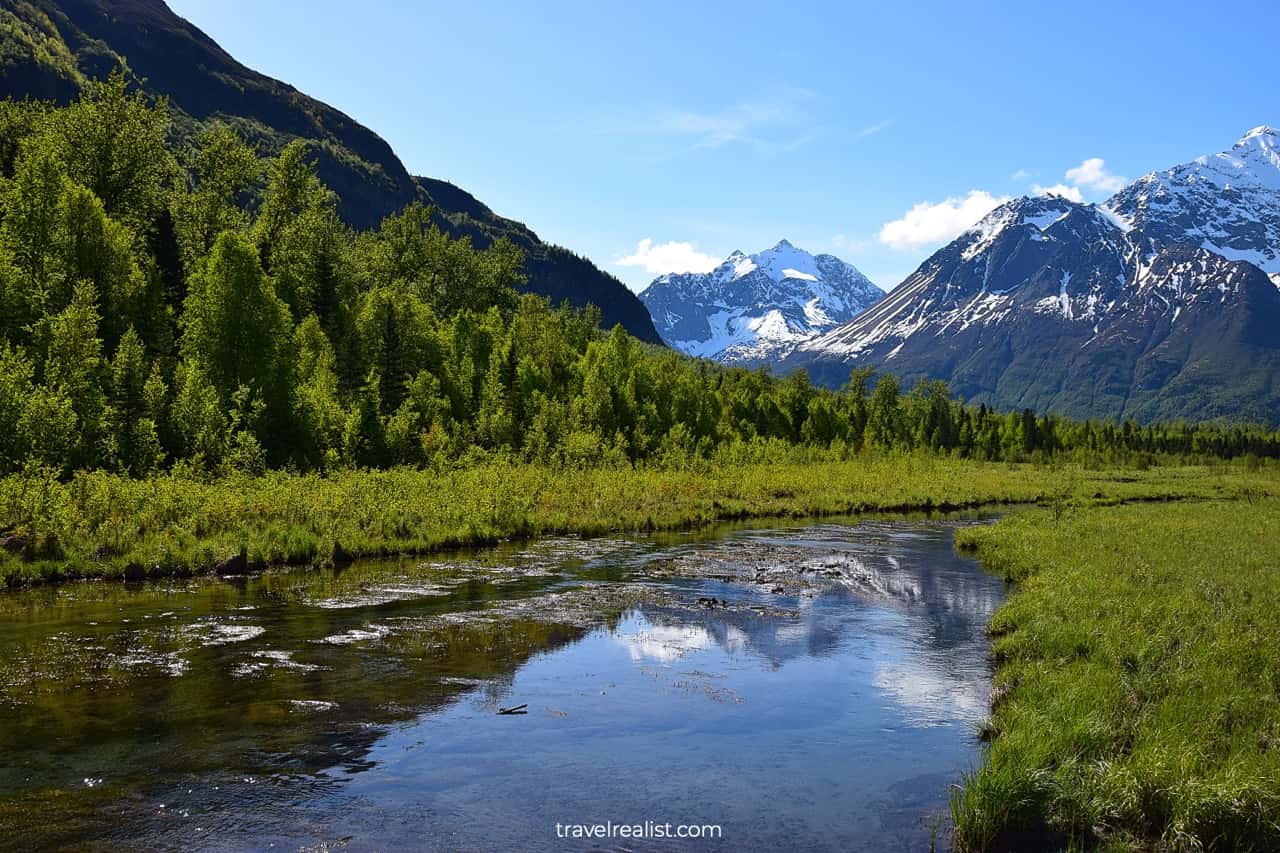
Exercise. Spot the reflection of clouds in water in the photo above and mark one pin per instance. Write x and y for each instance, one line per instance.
(667, 643)
(929, 697)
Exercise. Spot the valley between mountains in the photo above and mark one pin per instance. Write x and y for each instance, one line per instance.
(340, 511)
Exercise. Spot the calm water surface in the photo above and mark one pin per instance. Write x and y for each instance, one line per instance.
(810, 687)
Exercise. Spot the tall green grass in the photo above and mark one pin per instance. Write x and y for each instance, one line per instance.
(103, 525)
(1137, 691)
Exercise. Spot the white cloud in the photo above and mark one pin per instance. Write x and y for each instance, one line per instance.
(1020, 175)
(1069, 193)
(672, 256)
(843, 242)
(936, 223)
(767, 122)
(873, 129)
(712, 130)
(1093, 174)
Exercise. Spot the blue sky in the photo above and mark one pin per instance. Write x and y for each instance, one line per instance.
(873, 131)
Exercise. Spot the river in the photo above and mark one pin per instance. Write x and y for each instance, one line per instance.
(769, 686)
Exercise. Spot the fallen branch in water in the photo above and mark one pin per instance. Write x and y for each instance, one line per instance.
(515, 709)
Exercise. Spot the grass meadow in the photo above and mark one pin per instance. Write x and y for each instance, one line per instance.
(1137, 690)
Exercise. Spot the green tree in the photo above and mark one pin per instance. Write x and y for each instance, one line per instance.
(315, 274)
(411, 253)
(112, 142)
(135, 442)
(19, 120)
(884, 419)
(236, 327)
(364, 441)
(31, 234)
(321, 415)
(292, 187)
(394, 330)
(855, 394)
(17, 378)
(73, 369)
(199, 426)
(98, 250)
(222, 170)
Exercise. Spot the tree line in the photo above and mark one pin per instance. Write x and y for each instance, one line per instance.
(169, 301)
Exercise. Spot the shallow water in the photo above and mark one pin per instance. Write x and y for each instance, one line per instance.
(808, 687)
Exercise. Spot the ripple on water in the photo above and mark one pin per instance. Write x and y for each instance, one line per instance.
(356, 635)
(311, 706)
(169, 663)
(213, 633)
(376, 595)
(272, 659)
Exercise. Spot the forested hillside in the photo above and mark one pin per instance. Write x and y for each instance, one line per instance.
(50, 49)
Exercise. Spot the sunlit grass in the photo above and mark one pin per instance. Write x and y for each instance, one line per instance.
(1137, 699)
(103, 525)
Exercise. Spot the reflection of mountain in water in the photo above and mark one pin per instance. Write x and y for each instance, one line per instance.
(874, 578)
(841, 570)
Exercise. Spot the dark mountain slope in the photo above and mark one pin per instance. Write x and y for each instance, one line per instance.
(1051, 305)
(49, 48)
(202, 81)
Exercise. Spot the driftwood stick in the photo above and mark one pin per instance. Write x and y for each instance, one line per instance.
(515, 709)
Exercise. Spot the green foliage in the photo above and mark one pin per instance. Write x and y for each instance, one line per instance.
(220, 316)
(1135, 699)
(112, 143)
(134, 438)
(318, 404)
(240, 331)
(73, 370)
(222, 170)
(199, 425)
(411, 254)
(183, 521)
(30, 236)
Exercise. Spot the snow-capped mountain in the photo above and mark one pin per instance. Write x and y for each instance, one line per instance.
(752, 309)
(1228, 203)
(1057, 306)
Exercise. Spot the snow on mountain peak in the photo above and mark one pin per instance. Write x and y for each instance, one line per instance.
(1259, 149)
(1041, 211)
(786, 261)
(752, 308)
(1262, 131)
(1228, 203)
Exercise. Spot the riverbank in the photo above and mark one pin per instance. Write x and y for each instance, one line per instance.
(1137, 688)
(99, 525)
